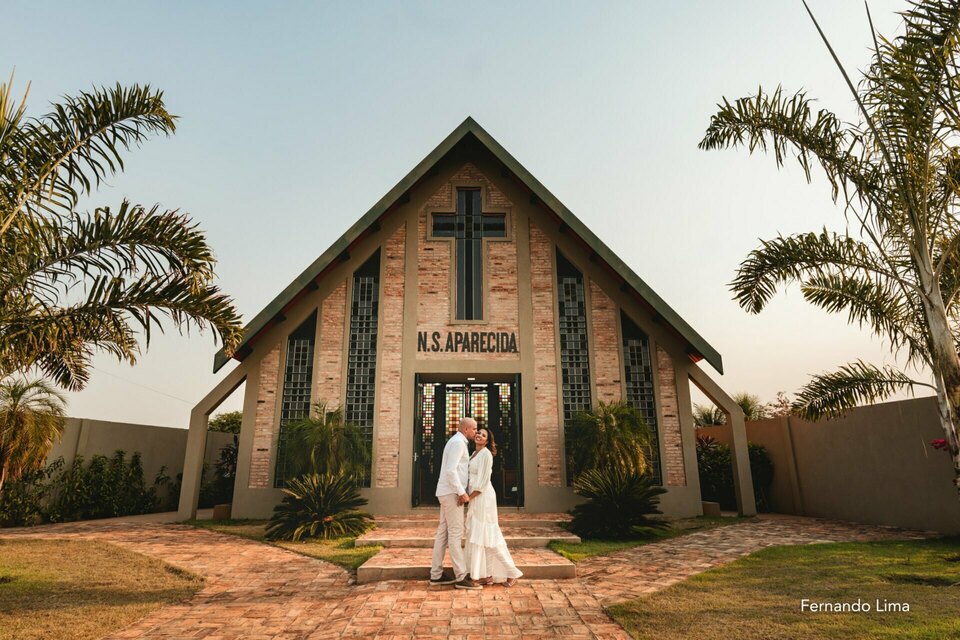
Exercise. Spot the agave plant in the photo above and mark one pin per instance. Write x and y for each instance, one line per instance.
(319, 506)
(618, 504)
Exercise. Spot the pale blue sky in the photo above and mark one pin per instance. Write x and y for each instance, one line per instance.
(296, 117)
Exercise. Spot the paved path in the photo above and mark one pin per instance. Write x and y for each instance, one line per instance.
(256, 591)
(632, 573)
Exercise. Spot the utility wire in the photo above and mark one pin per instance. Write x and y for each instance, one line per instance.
(143, 386)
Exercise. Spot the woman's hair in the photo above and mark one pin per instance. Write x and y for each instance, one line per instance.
(491, 443)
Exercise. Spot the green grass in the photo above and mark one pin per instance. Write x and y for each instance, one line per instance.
(79, 589)
(339, 551)
(760, 596)
(589, 548)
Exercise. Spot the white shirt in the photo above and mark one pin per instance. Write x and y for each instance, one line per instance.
(454, 471)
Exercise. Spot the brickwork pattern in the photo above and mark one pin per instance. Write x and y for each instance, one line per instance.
(675, 471)
(606, 343)
(264, 424)
(435, 269)
(329, 371)
(256, 591)
(387, 428)
(547, 399)
(636, 572)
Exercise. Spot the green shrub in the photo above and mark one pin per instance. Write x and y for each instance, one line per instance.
(21, 503)
(716, 473)
(319, 505)
(618, 504)
(106, 488)
(611, 434)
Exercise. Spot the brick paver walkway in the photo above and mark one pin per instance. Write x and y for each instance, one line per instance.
(256, 591)
(632, 573)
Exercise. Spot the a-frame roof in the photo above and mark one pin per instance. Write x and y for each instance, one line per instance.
(568, 223)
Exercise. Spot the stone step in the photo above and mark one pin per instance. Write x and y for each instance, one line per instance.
(422, 536)
(414, 564)
(425, 517)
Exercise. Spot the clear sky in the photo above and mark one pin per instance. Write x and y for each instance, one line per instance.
(296, 117)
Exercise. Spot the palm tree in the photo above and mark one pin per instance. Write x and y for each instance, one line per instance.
(75, 283)
(31, 421)
(324, 443)
(708, 415)
(897, 173)
(613, 434)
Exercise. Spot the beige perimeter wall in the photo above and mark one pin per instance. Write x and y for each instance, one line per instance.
(158, 446)
(875, 465)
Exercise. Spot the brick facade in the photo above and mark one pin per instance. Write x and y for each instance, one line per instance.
(265, 420)
(328, 376)
(391, 337)
(436, 269)
(606, 343)
(547, 398)
(675, 472)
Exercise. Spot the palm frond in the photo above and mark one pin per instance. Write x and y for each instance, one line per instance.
(52, 160)
(831, 395)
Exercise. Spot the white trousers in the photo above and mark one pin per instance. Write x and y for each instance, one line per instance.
(449, 536)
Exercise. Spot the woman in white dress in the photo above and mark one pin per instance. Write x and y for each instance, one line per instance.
(488, 559)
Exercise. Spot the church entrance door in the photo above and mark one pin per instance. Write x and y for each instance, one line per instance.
(495, 405)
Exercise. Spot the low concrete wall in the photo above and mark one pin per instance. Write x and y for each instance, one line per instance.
(874, 465)
(158, 446)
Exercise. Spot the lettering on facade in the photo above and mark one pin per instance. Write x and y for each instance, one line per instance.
(467, 342)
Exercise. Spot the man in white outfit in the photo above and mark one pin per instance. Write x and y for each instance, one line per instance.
(452, 493)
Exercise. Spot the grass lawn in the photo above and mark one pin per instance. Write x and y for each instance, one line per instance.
(589, 548)
(339, 551)
(73, 589)
(760, 596)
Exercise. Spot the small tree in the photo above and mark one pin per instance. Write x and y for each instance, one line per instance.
(324, 443)
(613, 434)
(31, 422)
(227, 422)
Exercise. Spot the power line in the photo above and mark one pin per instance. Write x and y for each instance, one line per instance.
(143, 386)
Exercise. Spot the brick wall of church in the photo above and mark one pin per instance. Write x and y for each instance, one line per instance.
(265, 420)
(390, 339)
(675, 472)
(329, 373)
(606, 357)
(542, 281)
(436, 270)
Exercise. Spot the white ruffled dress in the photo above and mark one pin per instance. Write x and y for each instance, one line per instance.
(487, 554)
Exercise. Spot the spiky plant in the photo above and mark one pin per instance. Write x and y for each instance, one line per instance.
(319, 506)
(897, 173)
(708, 416)
(612, 434)
(324, 442)
(31, 422)
(618, 504)
(74, 283)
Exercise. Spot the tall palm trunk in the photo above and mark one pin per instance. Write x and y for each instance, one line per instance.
(946, 366)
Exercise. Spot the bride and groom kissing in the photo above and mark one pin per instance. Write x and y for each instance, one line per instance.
(465, 483)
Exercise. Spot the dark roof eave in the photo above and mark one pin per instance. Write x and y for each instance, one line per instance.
(698, 346)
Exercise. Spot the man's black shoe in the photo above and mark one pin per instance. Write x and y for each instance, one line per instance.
(446, 578)
(467, 583)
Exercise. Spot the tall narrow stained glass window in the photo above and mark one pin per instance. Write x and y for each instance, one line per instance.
(297, 379)
(574, 356)
(638, 374)
(362, 352)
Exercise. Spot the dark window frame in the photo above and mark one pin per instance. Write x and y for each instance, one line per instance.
(296, 395)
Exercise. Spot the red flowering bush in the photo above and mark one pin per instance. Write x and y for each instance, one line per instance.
(940, 444)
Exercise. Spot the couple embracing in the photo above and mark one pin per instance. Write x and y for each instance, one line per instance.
(465, 482)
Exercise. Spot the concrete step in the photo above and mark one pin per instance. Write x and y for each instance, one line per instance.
(414, 564)
(422, 536)
(425, 517)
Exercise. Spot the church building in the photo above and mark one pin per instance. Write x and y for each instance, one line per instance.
(467, 290)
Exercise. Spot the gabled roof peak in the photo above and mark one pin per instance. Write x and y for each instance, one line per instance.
(698, 347)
